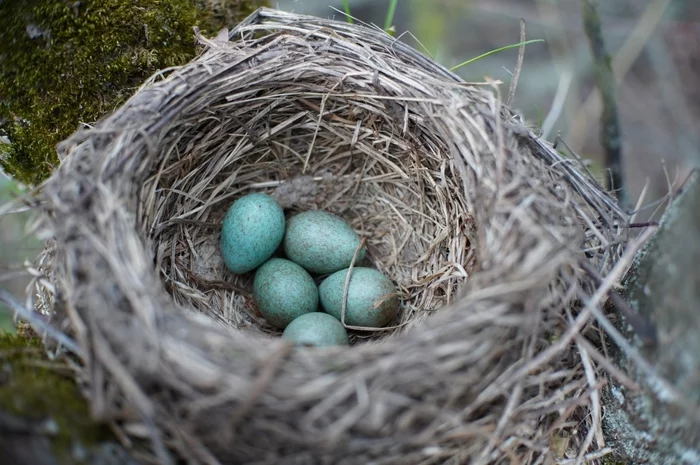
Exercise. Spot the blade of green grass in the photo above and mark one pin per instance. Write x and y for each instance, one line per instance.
(540, 116)
(346, 9)
(495, 51)
(388, 22)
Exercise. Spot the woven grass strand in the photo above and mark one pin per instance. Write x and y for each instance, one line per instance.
(480, 224)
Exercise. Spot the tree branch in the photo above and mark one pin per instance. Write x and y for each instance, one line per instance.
(610, 132)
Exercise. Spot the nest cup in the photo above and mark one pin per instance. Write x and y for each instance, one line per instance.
(479, 223)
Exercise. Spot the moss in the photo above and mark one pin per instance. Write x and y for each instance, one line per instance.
(30, 389)
(216, 14)
(63, 63)
(612, 460)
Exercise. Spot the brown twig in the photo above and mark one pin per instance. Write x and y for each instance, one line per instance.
(644, 329)
(346, 288)
(610, 133)
(518, 65)
(39, 323)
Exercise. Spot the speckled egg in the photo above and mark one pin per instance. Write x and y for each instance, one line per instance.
(372, 300)
(321, 242)
(283, 291)
(316, 329)
(252, 230)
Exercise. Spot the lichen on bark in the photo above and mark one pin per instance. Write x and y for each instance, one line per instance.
(663, 286)
(64, 63)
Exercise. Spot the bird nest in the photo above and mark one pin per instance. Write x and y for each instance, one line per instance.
(482, 226)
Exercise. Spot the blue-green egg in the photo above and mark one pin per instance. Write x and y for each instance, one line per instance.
(283, 291)
(321, 242)
(372, 300)
(252, 230)
(316, 329)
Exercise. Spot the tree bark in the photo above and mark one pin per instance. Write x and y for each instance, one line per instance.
(663, 286)
(44, 420)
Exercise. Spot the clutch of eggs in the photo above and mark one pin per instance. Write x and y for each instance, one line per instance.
(284, 290)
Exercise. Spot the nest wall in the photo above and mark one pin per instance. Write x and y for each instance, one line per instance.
(481, 225)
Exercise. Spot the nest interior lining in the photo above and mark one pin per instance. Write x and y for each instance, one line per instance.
(450, 189)
(402, 194)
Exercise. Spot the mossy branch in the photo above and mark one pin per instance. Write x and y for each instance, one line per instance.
(610, 135)
(68, 63)
(44, 418)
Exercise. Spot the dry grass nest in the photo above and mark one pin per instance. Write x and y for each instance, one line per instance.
(482, 226)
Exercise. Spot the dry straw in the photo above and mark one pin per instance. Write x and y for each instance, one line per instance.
(481, 225)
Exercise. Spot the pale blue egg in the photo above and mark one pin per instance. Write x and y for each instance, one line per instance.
(283, 291)
(252, 230)
(321, 242)
(316, 329)
(372, 300)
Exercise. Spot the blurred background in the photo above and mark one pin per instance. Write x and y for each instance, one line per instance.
(655, 46)
(16, 246)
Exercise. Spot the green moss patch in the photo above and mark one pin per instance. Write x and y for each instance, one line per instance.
(33, 388)
(63, 63)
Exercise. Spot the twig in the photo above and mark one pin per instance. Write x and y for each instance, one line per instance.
(345, 297)
(581, 162)
(645, 224)
(669, 195)
(39, 325)
(664, 390)
(607, 365)
(558, 103)
(518, 65)
(595, 430)
(640, 202)
(599, 454)
(347, 281)
(591, 307)
(610, 132)
(643, 328)
(621, 65)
